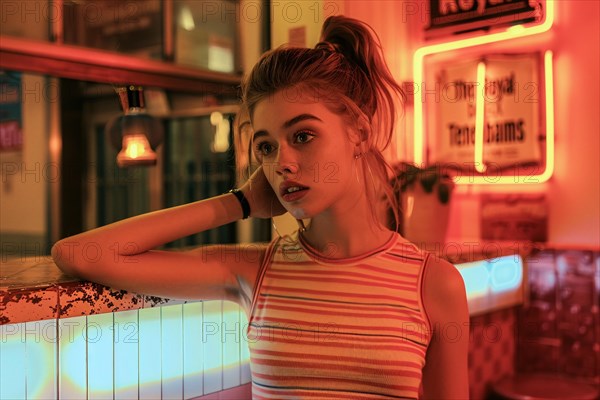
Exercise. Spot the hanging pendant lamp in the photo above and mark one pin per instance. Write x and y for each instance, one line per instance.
(135, 133)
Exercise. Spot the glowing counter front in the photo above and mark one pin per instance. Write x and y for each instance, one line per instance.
(68, 339)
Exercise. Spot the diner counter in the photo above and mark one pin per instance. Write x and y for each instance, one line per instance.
(34, 288)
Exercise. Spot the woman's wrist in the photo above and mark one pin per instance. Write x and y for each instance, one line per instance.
(244, 204)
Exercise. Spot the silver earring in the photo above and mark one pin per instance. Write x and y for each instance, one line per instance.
(301, 226)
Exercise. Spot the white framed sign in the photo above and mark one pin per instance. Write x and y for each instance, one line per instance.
(511, 112)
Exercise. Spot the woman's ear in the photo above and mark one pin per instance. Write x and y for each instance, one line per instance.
(360, 132)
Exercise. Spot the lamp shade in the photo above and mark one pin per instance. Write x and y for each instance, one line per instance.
(135, 133)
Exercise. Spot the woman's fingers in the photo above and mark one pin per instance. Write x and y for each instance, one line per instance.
(263, 200)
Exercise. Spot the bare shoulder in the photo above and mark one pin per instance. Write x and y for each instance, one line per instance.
(444, 294)
(445, 375)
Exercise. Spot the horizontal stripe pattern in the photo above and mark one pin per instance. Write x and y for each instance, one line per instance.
(338, 329)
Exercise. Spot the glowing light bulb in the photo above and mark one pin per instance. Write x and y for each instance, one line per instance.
(136, 151)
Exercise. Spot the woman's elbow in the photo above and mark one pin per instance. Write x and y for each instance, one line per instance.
(66, 258)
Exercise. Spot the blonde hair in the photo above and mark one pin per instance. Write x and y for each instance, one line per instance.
(347, 72)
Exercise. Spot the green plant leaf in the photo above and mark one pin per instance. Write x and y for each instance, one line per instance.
(428, 180)
(444, 193)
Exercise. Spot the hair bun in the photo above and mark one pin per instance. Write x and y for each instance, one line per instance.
(350, 37)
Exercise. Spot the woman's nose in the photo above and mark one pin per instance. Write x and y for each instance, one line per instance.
(286, 162)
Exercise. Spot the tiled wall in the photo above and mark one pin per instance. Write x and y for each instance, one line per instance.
(172, 352)
(559, 328)
(491, 349)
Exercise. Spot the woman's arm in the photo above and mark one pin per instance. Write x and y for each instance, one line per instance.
(121, 254)
(445, 375)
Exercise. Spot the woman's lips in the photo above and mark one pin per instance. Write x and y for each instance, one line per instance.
(294, 196)
(292, 190)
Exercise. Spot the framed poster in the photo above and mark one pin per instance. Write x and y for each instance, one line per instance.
(514, 217)
(11, 125)
(511, 99)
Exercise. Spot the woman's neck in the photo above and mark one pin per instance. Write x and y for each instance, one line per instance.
(349, 234)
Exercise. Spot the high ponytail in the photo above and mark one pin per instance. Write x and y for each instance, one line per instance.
(347, 71)
(359, 43)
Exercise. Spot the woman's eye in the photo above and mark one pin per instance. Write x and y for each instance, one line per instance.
(264, 148)
(304, 137)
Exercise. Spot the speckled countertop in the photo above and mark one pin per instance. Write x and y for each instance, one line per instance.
(33, 289)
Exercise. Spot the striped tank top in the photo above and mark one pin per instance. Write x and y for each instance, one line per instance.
(353, 328)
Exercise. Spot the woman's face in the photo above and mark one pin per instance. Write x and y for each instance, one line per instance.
(306, 152)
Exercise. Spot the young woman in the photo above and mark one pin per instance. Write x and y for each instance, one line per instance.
(344, 308)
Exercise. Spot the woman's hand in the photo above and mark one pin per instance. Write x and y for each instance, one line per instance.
(259, 193)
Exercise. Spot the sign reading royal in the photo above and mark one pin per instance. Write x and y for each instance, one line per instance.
(457, 16)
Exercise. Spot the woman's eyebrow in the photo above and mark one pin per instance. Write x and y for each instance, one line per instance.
(258, 134)
(288, 123)
(300, 118)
